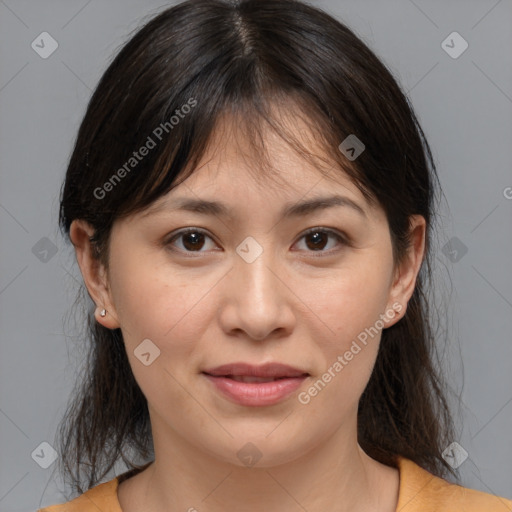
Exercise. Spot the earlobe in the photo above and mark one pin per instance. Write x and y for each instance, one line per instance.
(406, 274)
(93, 273)
(106, 318)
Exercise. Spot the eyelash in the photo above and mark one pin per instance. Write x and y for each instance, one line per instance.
(320, 253)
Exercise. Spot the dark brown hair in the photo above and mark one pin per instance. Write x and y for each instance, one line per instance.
(241, 58)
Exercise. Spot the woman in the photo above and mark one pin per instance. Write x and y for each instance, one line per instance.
(251, 202)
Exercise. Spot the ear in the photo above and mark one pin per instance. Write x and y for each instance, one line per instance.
(405, 275)
(93, 272)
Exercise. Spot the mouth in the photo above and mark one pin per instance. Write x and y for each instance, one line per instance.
(269, 371)
(249, 378)
(251, 385)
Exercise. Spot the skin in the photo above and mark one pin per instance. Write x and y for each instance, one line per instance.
(290, 305)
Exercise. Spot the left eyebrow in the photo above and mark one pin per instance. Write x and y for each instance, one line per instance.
(320, 203)
(301, 209)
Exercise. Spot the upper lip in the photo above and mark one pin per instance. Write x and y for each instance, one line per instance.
(264, 370)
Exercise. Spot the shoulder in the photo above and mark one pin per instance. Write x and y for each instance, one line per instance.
(101, 497)
(422, 491)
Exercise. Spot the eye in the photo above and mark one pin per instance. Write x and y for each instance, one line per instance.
(193, 240)
(316, 239)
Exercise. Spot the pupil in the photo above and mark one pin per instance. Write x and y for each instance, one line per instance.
(317, 243)
(195, 239)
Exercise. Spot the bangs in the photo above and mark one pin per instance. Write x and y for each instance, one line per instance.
(245, 123)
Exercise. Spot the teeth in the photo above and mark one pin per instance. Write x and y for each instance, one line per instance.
(246, 378)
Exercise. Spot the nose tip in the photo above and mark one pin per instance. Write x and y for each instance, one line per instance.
(256, 300)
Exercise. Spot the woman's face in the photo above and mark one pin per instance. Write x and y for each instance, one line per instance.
(250, 285)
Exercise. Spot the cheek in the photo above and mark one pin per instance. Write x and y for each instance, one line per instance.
(149, 308)
(347, 356)
(166, 308)
(347, 333)
(348, 302)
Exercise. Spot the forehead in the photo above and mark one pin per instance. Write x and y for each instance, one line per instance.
(287, 157)
(253, 169)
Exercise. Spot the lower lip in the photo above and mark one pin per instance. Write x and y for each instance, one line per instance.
(256, 393)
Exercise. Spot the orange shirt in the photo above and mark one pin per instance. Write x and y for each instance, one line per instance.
(419, 491)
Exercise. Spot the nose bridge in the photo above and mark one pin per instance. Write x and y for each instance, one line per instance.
(258, 305)
(254, 266)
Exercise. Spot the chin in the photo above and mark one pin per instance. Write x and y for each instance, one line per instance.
(264, 450)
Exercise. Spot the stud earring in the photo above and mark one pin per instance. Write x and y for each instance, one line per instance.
(103, 312)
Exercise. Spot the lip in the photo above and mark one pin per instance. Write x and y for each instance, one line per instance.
(256, 394)
(264, 370)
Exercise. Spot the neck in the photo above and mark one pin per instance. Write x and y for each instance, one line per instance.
(333, 475)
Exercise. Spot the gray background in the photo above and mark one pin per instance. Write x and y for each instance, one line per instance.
(464, 105)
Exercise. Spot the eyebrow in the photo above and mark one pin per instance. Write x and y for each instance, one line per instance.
(304, 208)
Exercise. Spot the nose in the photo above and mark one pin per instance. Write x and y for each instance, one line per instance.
(258, 300)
